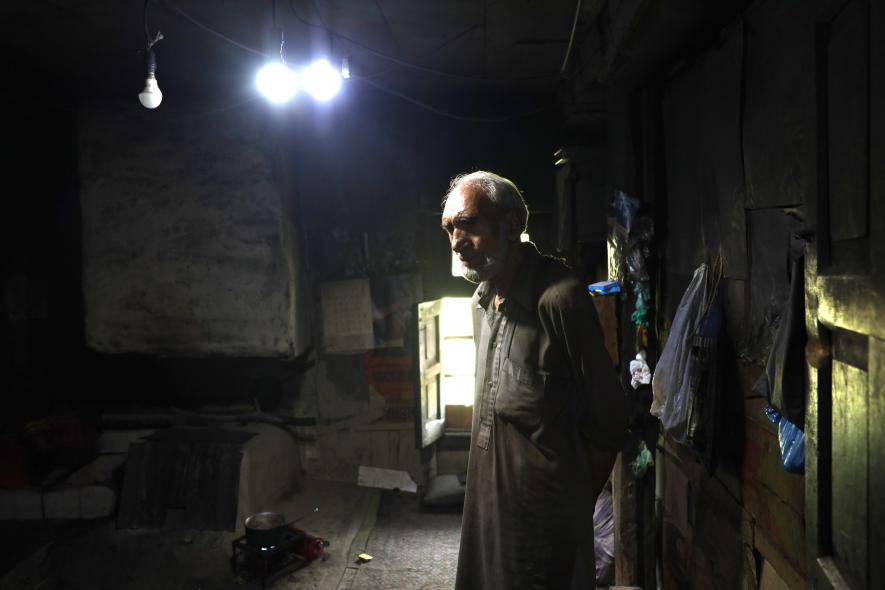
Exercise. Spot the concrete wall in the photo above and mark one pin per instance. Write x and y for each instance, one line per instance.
(182, 251)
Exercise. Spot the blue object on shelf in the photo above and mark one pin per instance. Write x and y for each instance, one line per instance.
(604, 287)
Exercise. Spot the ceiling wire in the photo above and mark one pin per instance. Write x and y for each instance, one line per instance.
(149, 41)
(316, 9)
(387, 26)
(439, 47)
(409, 64)
(366, 80)
(236, 43)
(571, 38)
(212, 31)
(456, 116)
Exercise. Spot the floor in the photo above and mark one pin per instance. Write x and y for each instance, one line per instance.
(410, 548)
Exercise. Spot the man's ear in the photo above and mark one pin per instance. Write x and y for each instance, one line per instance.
(514, 226)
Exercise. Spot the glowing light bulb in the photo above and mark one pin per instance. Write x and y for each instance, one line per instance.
(321, 80)
(277, 82)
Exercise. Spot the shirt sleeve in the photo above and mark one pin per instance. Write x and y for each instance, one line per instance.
(570, 319)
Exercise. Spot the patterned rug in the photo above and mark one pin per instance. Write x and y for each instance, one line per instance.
(411, 548)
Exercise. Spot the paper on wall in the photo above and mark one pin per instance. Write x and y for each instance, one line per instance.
(347, 316)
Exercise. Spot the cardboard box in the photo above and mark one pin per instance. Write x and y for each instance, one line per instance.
(459, 417)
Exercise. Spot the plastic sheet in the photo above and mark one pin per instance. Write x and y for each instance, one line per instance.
(604, 538)
(791, 439)
(636, 267)
(624, 208)
(642, 462)
(638, 249)
(640, 374)
(643, 299)
(671, 383)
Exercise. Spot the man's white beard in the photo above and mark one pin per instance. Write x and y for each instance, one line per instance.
(491, 265)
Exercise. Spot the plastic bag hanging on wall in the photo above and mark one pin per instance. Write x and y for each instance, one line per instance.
(604, 537)
(671, 383)
(704, 385)
(791, 440)
(624, 208)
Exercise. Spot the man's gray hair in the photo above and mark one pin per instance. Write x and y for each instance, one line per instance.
(499, 190)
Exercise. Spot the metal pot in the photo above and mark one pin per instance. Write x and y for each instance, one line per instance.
(265, 529)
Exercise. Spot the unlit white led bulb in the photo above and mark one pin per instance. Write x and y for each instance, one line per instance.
(150, 97)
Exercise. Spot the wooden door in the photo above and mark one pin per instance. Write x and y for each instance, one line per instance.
(845, 266)
(429, 418)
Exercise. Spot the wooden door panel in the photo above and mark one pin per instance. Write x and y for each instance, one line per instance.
(855, 303)
(876, 421)
(428, 415)
(849, 472)
(845, 267)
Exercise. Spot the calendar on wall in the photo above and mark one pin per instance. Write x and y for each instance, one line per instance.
(347, 316)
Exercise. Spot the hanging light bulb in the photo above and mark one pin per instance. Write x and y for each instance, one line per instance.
(277, 82)
(321, 80)
(151, 96)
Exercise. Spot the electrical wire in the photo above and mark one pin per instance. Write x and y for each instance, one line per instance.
(236, 43)
(571, 38)
(387, 25)
(365, 80)
(316, 9)
(456, 116)
(409, 64)
(436, 49)
(212, 31)
(363, 46)
(149, 42)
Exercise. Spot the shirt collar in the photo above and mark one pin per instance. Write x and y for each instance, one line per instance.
(523, 280)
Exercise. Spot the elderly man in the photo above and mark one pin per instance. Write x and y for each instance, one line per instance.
(549, 414)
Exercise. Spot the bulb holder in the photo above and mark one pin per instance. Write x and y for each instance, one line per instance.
(150, 63)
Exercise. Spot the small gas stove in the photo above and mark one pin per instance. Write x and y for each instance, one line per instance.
(265, 565)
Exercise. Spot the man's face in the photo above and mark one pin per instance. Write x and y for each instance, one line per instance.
(476, 233)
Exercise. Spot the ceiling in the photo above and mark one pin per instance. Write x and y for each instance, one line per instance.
(417, 49)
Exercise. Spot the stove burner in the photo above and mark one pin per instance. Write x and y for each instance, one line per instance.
(265, 565)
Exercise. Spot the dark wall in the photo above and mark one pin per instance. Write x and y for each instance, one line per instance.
(720, 146)
(378, 165)
(42, 320)
(739, 151)
(359, 182)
